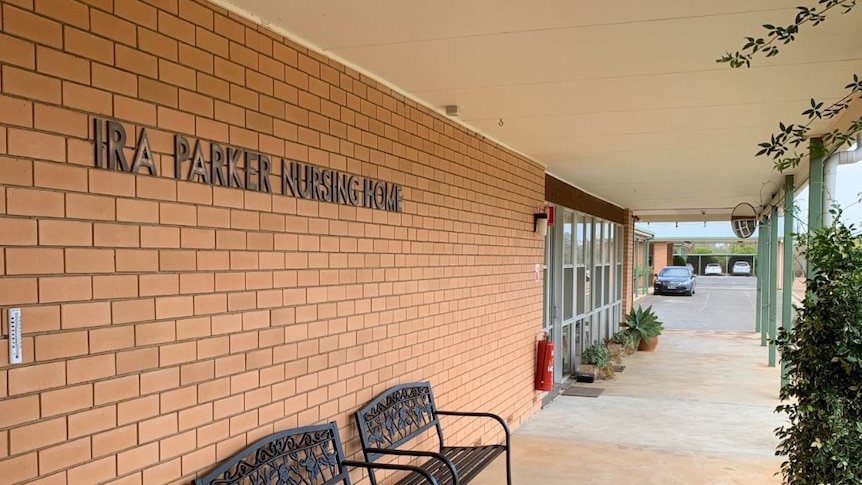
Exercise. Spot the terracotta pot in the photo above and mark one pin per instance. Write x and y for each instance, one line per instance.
(648, 346)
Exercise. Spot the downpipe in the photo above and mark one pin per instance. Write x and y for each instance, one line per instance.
(830, 175)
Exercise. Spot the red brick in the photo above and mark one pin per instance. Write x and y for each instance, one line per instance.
(177, 214)
(59, 120)
(82, 206)
(37, 435)
(65, 233)
(137, 360)
(17, 52)
(41, 318)
(133, 310)
(156, 188)
(116, 286)
(118, 389)
(195, 58)
(230, 28)
(87, 99)
(196, 103)
(134, 110)
(177, 28)
(115, 80)
(93, 472)
(258, 42)
(53, 175)
(34, 261)
(137, 458)
(110, 339)
(176, 121)
(131, 210)
(114, 440)
(65, 288)
(14, 171)
(40, 146)
(111, 183)
(243, 55)
(30, 85)
(30, 26)
(88, 45)
(62, 345)
(66, 11)
(90, 368)
(196, 13)
(34, 202)
(66, 400)
(137, 12)
(114, 27)
(92, 421)
(19, 468)
(158, 44)
(173, 307)
(18, 291)
(89, 314)
(17, 232)
(212, 86)
(173, 73)
(15, 412)
(117, 235)
(138, 261)
(137, 61)
(56, 63)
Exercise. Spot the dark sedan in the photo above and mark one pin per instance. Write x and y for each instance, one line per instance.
(675, 279)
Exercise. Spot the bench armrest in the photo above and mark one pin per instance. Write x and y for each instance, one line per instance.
(438, 456)
(392, 466)
(478, 415)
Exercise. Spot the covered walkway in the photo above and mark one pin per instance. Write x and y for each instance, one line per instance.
(698, 410)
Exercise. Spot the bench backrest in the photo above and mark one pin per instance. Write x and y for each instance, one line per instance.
(395, 417)
(302, 456)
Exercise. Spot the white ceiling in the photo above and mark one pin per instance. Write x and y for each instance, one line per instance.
(621, 98)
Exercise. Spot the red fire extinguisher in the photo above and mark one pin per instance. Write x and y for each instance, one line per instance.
(545, 365)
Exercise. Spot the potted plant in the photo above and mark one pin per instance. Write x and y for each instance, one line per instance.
(644, 327)
(596, 361)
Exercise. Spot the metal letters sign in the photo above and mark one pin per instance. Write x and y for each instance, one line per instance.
(213, 164)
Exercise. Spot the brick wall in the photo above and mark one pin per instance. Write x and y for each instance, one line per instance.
(662, 255)
(168, 323)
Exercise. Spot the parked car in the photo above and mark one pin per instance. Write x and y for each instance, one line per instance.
(675, 279)
(741, 268)
(712, 268)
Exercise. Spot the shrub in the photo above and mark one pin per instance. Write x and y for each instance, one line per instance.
(823, 355)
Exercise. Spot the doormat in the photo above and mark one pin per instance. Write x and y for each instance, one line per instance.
(581, 391)
(619, 368)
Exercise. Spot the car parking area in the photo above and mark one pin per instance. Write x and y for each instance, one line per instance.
(721, 303)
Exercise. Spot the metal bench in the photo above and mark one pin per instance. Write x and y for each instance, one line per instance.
(405, 412)
(302, 456)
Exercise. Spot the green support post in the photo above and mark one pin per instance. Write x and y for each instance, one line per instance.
(773, 286)
(646, 265)
(787, 285)
(758, 271)
(764, 293)
(815, 189)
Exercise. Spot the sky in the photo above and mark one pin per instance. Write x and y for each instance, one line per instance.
(849, 187)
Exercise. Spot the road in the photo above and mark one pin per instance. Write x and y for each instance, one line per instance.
(723, 303)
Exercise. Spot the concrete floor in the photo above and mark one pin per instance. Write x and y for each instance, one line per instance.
(698, 410)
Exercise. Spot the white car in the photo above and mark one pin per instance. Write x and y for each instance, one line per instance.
(741, 268)
(712, 268)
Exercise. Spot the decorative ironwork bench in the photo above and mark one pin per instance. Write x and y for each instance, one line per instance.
(302, 456)
(403, 413)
